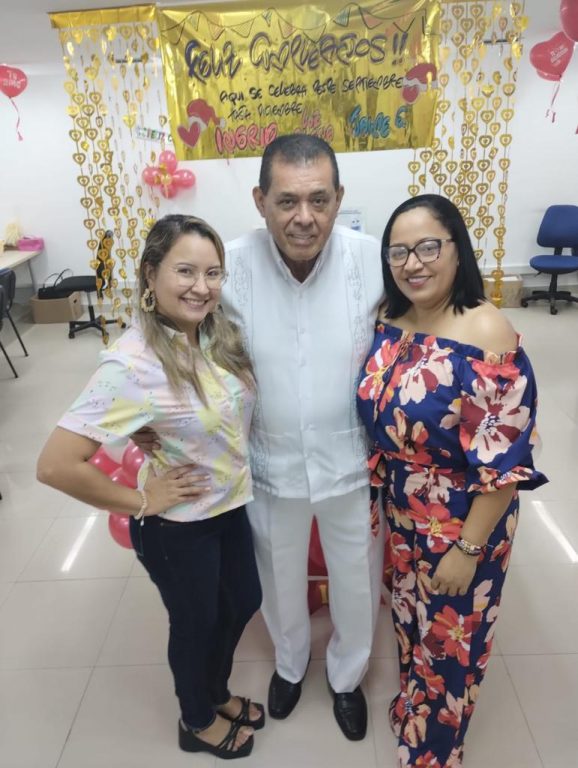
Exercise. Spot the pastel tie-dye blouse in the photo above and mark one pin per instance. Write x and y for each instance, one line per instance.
(130, 390)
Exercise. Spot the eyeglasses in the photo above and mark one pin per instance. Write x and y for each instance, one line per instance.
(189, 276)
(426, 250)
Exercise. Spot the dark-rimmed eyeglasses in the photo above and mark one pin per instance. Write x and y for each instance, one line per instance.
(189, 276)
(426, 251)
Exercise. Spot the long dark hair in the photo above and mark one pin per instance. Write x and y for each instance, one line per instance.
(468, 287)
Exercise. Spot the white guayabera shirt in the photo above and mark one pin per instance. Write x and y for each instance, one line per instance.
(307, 342)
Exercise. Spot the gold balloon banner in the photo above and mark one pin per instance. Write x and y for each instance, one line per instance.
(361, 77)
(469, 157)
(119, 125)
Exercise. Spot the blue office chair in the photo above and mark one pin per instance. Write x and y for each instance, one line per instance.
(558, 230)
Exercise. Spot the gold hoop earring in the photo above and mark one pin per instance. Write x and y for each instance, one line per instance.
(148, 301)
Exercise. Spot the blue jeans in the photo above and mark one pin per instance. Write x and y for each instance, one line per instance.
(207, 576)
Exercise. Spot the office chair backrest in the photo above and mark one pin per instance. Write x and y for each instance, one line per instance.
(559, 228)
(8, 283)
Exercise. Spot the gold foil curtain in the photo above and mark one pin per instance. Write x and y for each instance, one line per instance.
(469, 158)
(118, 114)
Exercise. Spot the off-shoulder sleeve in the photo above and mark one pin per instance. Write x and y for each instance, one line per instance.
(113, 405)
(497, 422)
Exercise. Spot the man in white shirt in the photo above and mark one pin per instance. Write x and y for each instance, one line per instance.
(306, 294)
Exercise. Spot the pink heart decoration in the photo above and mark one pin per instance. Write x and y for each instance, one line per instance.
(552, 56)
(189, 136)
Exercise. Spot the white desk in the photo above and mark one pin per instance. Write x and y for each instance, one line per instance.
(11, 259)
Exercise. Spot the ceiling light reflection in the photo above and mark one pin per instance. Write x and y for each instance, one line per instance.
(555, 531)
(78, 544)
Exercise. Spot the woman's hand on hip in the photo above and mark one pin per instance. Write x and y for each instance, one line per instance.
(176, 486)
(454, 573)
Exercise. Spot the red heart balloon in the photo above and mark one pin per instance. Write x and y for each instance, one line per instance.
(569, 18)
(12, 81)
(548, 76)
(552, 56)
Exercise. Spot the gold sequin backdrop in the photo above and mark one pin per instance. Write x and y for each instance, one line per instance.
(118, 126)
(469, 158)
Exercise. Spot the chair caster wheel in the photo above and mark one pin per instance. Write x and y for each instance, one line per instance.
(71, 335)
(524, 303)
(553, 311)
(123, 326)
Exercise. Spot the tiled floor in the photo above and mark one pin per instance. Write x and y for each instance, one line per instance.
(83, 675)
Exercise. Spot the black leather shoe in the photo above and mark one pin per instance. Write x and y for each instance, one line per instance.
(283, 697)
(350, 710)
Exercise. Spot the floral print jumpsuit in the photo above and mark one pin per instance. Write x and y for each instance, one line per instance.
(447, 422)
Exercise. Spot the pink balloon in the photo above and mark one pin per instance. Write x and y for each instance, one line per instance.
(569, 18)
(552, 56)
(169, 190)
(183, 178)
(119, 528)
(104, 462)
(150, 175)
(120, 476)
(169, 160)
(132, 460)
(12, 81)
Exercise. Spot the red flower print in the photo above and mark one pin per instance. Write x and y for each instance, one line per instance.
(403, 597)
(435, 522)
(493, 369)
(435, 685)
(372, 384)
(455, 632)
(429, 760)
(415, 725)
(452, 713)
(423, 372)
(401, 553)
(410, 439)
(492, 418)
(433, 482)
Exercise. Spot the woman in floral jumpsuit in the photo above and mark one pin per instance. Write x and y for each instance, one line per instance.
(448, 397)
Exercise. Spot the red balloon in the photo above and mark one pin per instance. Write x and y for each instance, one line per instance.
(169, 160)
(317, 565)
(132, 460)
(120, 476)
(552, 56)
(119, 528)
(569, 18)
(104, 462)
(183, 178)
(548, 76)
(150, 176)
(12, 81)
(169, 190)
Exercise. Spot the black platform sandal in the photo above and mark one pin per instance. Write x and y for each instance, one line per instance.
(243, 718)
(190, 742)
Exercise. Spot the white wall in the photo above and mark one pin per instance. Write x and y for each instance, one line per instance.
(38, 186)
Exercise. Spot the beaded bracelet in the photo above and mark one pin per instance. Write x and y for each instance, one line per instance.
(468, 548)
(143, 507)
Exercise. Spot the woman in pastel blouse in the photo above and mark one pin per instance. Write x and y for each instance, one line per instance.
(449, 399)
(182, 370)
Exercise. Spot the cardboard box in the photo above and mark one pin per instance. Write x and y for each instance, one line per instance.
(511, 290)
(57, 310)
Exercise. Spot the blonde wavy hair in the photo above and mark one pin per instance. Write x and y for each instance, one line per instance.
(225, 342)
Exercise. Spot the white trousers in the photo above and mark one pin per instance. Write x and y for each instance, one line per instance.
(354, 558)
